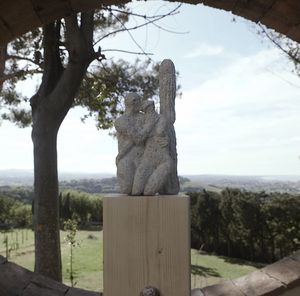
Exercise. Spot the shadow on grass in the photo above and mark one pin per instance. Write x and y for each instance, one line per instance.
(242, 262)
(236, 261)
(204, 271)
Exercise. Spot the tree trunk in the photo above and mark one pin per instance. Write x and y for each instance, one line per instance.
(49, 107)
(46, 201)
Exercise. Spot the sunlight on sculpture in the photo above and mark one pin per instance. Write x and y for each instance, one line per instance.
(147, 156)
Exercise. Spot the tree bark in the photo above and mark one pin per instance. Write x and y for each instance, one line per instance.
(46, 206)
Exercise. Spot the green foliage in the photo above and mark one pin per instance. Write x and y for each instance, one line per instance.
(103, 90)
(6, 207)
(14, 213)
(242, 224)
(105, 84)
(23, 194)
(22, 215)
(106, 185)
(70, 226)
(86, 209)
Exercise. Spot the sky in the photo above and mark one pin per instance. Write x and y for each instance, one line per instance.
(239, 110)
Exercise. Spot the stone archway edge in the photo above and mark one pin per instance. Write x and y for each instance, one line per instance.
(280, 278)
(18, 281)
(20, 16)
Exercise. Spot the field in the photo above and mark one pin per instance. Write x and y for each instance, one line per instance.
(88, 260)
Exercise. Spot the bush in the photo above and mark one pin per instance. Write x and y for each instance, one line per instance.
(85, 208)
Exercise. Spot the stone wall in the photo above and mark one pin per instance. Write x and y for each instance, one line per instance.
(281, 278)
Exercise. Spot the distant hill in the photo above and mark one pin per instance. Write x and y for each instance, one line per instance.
(285, 183)
(25, 177)
(270, 183)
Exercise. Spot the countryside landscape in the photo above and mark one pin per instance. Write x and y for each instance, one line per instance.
(262, 226)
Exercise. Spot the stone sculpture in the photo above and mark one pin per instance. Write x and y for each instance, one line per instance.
(147, 157)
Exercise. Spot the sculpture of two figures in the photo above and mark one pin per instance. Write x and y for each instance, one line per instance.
(147, 158)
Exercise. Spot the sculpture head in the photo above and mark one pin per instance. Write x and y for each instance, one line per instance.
(132, 103)
(148, 106)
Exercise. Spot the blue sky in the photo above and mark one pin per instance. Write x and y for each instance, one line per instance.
(239, 112)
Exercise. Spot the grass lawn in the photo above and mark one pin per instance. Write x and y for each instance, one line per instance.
(88, 261)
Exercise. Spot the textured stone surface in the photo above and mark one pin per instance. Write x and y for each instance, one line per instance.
(2, 260)
(147, 157)
(197, 292)
(34, 289)
(259, 283)
(81, 292)
(130, 146)
(224, 289)
(13, 279)
(20, 16)
(286, 271)
(41, 283)
(167, 95)
(17, 281)
(296, 256)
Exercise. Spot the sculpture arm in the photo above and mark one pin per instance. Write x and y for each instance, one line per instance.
(142, 135)
(124, 150)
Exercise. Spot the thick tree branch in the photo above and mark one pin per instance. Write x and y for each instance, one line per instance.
(52, 63)
(87, 26)
(81, 54)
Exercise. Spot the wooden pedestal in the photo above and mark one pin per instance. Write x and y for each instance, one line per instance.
(146, 243)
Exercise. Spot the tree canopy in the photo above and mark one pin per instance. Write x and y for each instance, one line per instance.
(106, 81)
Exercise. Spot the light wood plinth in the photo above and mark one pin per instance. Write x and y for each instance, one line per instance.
(146, 243)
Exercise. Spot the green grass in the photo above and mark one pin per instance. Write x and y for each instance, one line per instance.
(88, 262)
(209, 269)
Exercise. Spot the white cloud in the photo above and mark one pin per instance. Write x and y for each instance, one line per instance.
(243, 121)
(204, 49)
(240, 120)
(83, 148)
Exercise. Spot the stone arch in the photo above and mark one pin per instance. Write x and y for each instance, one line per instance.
(20, 16)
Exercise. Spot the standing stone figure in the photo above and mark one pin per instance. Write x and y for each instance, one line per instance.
(167, 95)
(147, 158)
(156, 163)
(130, 141)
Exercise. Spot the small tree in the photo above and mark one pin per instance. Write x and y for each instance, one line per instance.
(71, 227)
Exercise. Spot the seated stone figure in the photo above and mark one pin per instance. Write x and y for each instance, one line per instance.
(156, 163)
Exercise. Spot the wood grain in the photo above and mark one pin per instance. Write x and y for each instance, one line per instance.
(146, 243)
